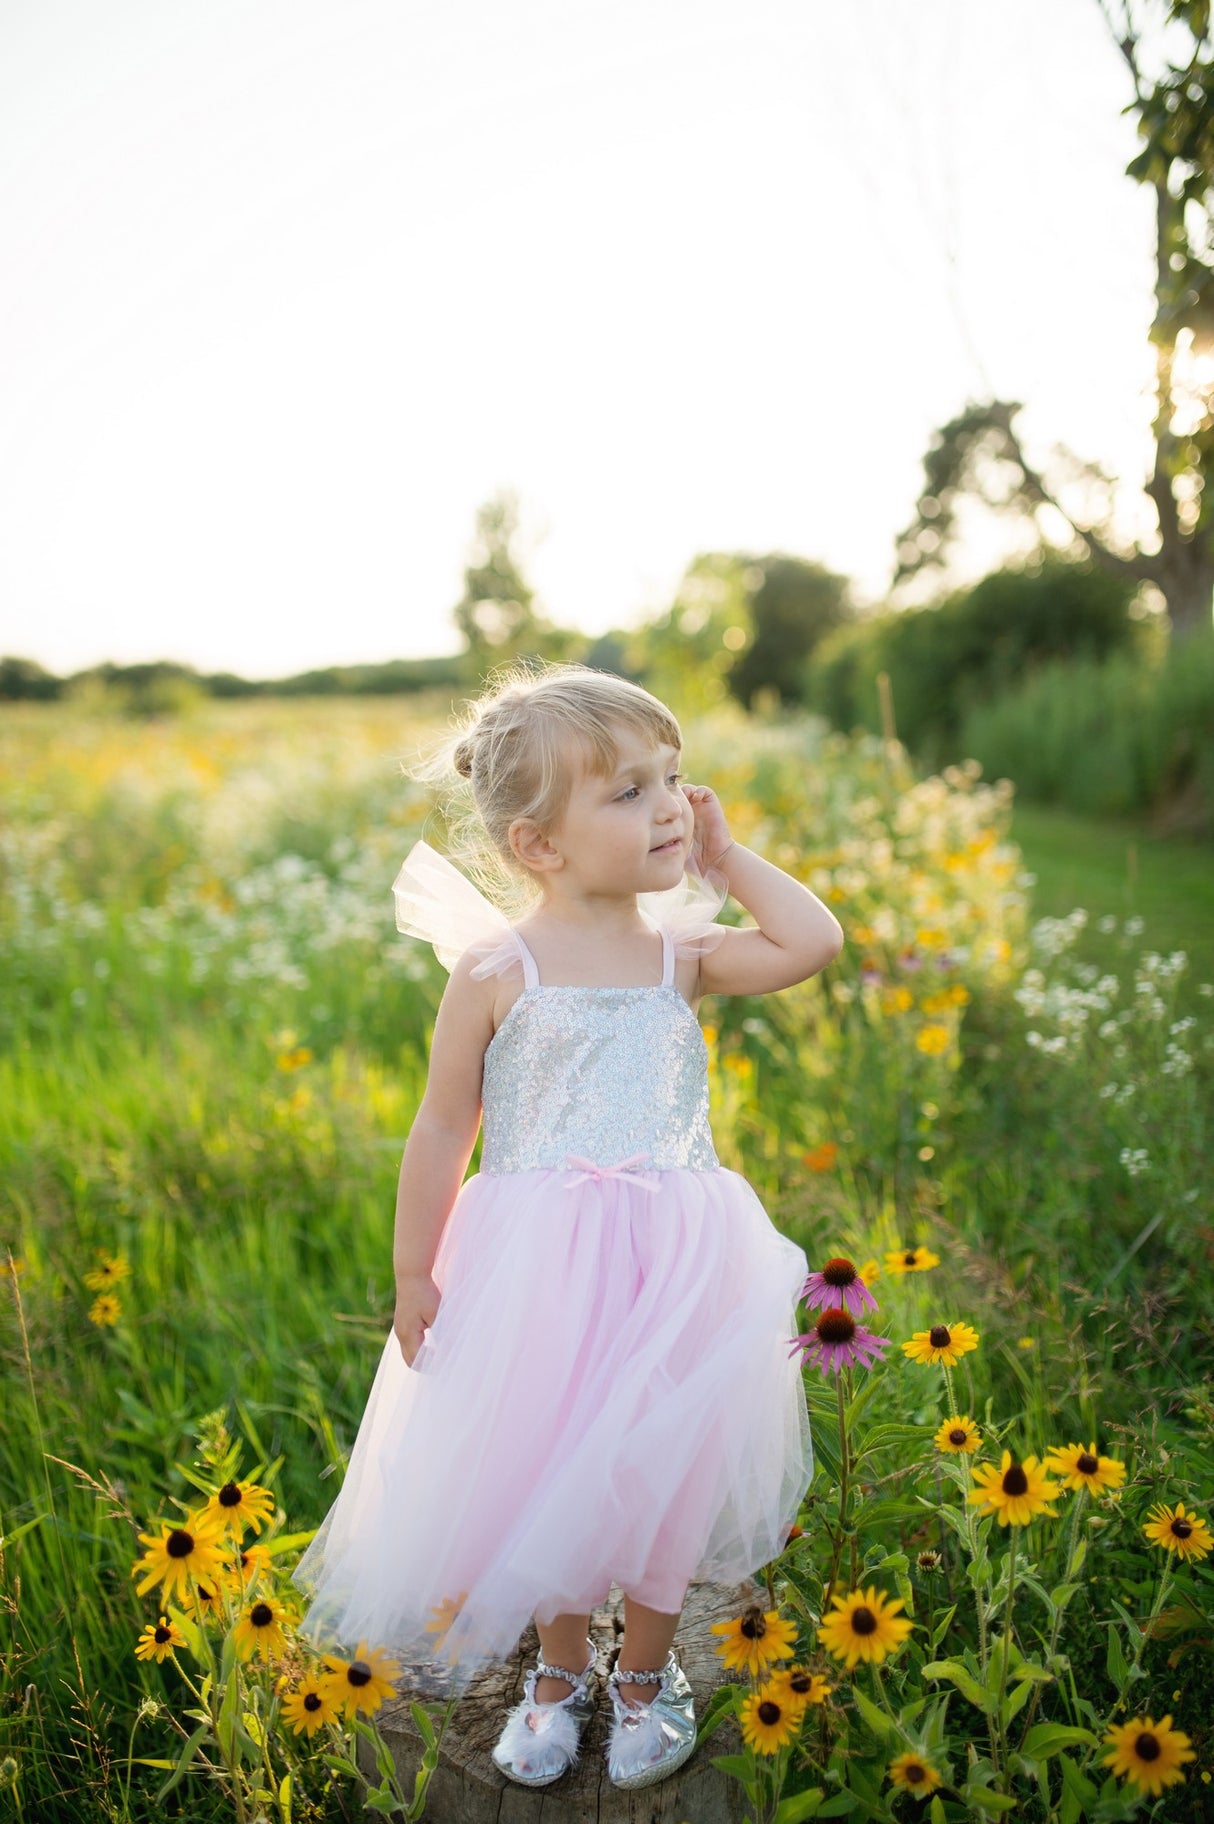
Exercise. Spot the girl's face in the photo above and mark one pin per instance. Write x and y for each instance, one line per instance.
(630, 832)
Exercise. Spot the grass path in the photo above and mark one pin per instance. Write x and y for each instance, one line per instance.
(1118, 868)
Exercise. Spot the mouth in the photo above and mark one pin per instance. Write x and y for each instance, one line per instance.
(668, 848)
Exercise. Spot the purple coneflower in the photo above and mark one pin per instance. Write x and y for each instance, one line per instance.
(837, 1338)
(838, 1283)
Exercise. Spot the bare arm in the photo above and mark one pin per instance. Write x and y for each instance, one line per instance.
(795, 935)
(438, 1148)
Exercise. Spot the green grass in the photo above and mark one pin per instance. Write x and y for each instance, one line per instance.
(1118, 868)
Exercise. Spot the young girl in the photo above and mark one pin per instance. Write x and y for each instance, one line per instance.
(589, 1378)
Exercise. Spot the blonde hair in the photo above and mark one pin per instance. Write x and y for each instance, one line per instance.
(514, 754)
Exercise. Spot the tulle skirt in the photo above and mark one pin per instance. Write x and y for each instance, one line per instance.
(606, 1395)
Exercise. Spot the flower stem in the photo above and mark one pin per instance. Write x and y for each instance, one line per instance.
(953, 1407)
(1007, 1649)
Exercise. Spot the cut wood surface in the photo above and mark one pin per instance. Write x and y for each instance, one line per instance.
(467, 1788)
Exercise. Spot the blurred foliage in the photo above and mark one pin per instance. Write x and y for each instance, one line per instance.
(979, 642)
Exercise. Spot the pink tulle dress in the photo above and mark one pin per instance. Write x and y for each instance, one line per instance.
(606, 1394)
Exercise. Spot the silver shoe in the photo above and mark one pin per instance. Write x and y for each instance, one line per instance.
(540, 1742)
(648, 1741)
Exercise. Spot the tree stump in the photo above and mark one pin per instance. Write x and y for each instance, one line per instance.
(467, 1788)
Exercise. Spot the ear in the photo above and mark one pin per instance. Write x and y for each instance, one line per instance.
(532, 847)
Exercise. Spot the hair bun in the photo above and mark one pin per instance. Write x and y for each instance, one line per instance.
(461, 759)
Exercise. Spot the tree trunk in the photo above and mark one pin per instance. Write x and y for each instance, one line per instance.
(467, 1788)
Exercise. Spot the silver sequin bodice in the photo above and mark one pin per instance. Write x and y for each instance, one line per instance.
(604, 1074)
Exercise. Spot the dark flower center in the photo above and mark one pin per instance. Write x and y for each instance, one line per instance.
(910, 1257)
(179, 1543)
(928, 1561)
(1146, 1747)
(800, 1681)
(863, 1620)
(163, 1634)
(359, 1673)
(311, 1701)
(229, 1495)
(1086, 1464)
(957, 1435)
(261, 1614)
(1181, 1529)
(769, 1713)
(836, 1326)
(938, 1336)
(754, 1624)
(1015, 1482)
(838, 1272)
(916, 1772)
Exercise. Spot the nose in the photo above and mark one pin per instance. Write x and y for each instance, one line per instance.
(673, 807)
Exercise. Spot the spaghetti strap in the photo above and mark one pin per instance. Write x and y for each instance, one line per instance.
(667, 958)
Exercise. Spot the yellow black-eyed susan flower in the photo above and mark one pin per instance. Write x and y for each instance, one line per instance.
(181, 1552)
(105, 1309)
(958, 1434)
(1186, 1534)
(110, 1271)
(865, 1625)
(768, 1720)
(932, 1039)
(240, 1504)
(755, 1640)
(1015, 1491)
(914, 1774)
(1148, 1754)
(443, 1617)
(259, 1629)
(1079, 1467)
(251, 1565)
(361, 1683)
(799, 1686)
(869, 1272)
(910, 1260)
(159, 1639)
(943, 1343)
(310, 1705)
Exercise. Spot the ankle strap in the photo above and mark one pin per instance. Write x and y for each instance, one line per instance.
(544, 1670)
(620, 1675)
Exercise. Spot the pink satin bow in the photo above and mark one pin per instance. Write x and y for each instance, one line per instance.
(586, 1169)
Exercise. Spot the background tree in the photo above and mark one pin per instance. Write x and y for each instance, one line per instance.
(793, 604)
(496, 614)
(979, 452)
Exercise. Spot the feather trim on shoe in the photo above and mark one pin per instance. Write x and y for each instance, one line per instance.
(539, 1739)
(639, 1739)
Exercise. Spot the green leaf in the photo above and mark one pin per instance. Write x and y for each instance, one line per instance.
(720, 1705)
(1045, 1739)
(882, 1726)
(225, 1724)
(986, 1799)
(183, 1760)
(800, 1805)
(937, 1814)
(959, 1675)
(1078, 1793)
(425, 1728)
(941, 1627)
(1115, 1660)
(1077, 1557)
(841, 1806)
(736, 1765)
(1062, 1595)
(1015, 1700)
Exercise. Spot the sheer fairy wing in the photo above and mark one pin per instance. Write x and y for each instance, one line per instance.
(689, 911)
(436, 902)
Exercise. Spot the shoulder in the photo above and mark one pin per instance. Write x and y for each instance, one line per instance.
(478, 998)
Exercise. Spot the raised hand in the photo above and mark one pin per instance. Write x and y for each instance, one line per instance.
(710, 837)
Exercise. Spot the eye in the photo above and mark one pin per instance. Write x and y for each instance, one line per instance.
(632, 792)
(674, 778)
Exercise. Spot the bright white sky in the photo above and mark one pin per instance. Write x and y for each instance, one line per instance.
(289, 287)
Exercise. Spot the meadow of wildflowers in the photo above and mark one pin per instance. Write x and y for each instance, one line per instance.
(999, 1596)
